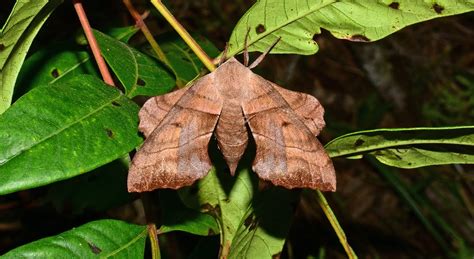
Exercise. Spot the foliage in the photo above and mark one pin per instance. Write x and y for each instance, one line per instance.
(65, 122)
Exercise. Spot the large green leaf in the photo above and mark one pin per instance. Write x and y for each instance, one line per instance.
(59, 131)
(295, 22)
(251, 224)
(225, 198)
(138, 73)
(61, 61)
(177, 217)
(265, 225)
(103, 238)
(409, 148)
(16, 37)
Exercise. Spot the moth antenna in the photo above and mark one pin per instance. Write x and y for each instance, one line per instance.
(246, 48)
(224, 54)
(261, 57)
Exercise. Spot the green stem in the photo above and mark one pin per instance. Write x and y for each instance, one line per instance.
(335, 224)
(184, 34)
(153, 235)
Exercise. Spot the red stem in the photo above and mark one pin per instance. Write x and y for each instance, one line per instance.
(104, 71)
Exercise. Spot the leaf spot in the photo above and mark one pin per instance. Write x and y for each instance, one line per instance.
(2, 47)
(141, 82)
(359, 38)
(55, 73)
(211, 232)
(438, 8)
(359, 142)
(114, 103)
(260, 29)
(394, 5)
(94, 248)
(110, 133)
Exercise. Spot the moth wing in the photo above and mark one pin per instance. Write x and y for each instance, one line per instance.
(287, 154)
(176, 153)
(155, 109)
(306, 106)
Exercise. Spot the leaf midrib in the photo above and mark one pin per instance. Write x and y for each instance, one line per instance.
(57, 132)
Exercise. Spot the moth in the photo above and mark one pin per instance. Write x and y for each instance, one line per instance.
(178, 127)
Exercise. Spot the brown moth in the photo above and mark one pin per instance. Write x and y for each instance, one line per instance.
(178, 127)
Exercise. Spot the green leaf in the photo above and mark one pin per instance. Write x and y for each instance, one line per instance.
(103, 238)
(138, 73)
(182, 59)
(177, 217)
(295, 22)
(409, 148)
(16, 37)
(53, 64)
(61, 61)
(225, 198)
(59, 131)
(251, 224)
(265, 226)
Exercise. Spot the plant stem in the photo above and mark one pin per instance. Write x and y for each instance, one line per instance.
(335, 225)
(153, 235)
(104, 71)
(146, 32)
(184, 34)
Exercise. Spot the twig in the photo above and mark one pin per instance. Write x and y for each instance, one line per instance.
(142, 26)
(184, 34)
(335, 225)
(104, 71)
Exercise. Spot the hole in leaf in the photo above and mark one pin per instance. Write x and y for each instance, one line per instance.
(260, 29)
(114, 103)
(394, 5)
(110, 133)
(55, 73)
(141, 82)
(438, 8)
